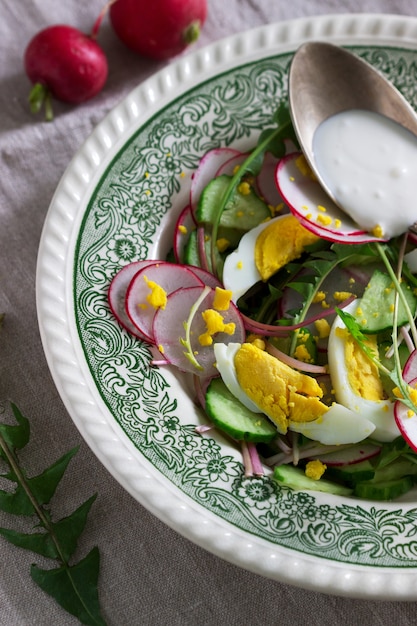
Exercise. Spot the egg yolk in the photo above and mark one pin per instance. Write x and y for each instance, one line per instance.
(214, 324)
(279, 243)
(158, 296)
(279, 391)
(222, 298)
(362, 374)
(315, 469)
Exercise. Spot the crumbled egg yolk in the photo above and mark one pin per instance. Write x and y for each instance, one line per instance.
(281, 392)
(340, 296)
(315, 469)
(222, 244)
(222, 298)
(214, 324)
(183, 229)
(377, 231)
(158, 296)
(323, 328)
(279, 243)
(244, 188)
(362, 374)
(304, 168)
(302, 354)
(324, 220)
(319, 297)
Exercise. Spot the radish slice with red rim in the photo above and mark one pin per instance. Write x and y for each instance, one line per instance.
(168, 276)
(349, 456)
(206, 277)
(410, 368)
(184, 225)
(169, 331)
(309, 202)
(209, 165)
(406, 420)
(266, 185)
(229, 167)
(117, 295)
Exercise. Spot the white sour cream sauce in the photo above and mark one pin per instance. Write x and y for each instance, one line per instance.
(369, 163)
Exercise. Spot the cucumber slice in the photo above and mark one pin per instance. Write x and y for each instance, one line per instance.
(353, 473)
(295, 478)
(374, 313)
(242, 213)
(231, 416)
(385, 490)
(389, 482)
(192, 257)
(395, 470)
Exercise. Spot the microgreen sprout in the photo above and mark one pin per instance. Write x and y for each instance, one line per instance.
(186, 342)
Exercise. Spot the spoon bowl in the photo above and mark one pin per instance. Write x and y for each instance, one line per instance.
(324, 80)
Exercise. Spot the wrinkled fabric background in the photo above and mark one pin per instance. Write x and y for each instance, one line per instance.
(150, 575)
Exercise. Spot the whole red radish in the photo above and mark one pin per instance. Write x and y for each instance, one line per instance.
(64, 63)
(158, 28)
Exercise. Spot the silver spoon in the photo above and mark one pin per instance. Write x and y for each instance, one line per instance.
(326, 79)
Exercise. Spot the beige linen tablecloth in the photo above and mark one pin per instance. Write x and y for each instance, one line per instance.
(149, 574)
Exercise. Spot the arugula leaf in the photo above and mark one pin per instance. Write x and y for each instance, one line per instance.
(73, 586)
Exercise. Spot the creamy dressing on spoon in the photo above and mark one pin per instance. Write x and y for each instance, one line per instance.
(369, 164)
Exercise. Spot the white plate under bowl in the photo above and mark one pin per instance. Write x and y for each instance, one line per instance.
(117, 202)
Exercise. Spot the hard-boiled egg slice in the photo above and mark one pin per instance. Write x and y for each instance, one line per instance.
(239, 271)
(379, 412)
(263, 251)
(225, 355)
(338, 426)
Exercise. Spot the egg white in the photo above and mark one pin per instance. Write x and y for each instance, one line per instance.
(380, 413)
(225, 355)
(338, 426)
(239, 271)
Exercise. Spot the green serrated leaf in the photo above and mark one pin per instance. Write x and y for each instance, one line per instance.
(74, 588)
(41, 543)
(16, 437)
(44, 485)
(68, 530)
(16, 502)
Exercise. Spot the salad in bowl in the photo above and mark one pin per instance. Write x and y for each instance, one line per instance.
(296, 325)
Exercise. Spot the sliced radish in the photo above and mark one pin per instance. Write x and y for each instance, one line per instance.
(230, 166)
(169, 276)
(117, 295)
(350, 456)
(312, 206)
(209, 165)
(266, 185)
(205, 276)
(406, 420)
(184, 225)
(169, 331)
(410, 368)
